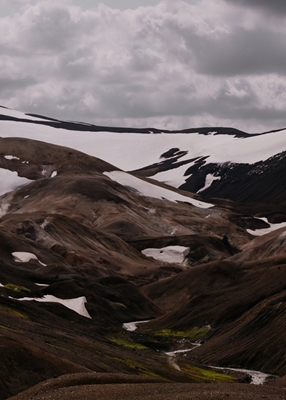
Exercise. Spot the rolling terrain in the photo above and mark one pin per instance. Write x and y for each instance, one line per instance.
(101, 227)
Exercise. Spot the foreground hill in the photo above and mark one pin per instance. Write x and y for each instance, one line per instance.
(86, 247)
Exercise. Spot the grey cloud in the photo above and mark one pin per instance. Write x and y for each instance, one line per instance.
(241, 52)
(277, 7)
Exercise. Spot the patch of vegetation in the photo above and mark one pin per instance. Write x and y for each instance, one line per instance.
(192, 334)
(141, 369)
(16, 288)
(130, 345)
(119, 304)
(205, 375)
(13, 312)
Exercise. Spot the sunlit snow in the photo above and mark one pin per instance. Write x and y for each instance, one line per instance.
(77, 304)
(149, 190)
(169, 254)
(22, 256)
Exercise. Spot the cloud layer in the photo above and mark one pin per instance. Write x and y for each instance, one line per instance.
(172, 65)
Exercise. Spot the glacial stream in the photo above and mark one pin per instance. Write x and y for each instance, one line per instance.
(257, 377)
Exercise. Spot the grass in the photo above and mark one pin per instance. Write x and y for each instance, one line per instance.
(130, 345)
(205, 375)
(192, 334)
(16, 288)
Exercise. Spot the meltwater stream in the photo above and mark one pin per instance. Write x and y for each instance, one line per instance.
(257, 377)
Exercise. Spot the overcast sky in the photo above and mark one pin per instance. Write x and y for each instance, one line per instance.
(167, 64)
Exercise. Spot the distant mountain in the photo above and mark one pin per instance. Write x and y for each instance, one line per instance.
(100, 228)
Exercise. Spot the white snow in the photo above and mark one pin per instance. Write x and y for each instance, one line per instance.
(132, 326)
(149, 190)
(41, 284)
(1, 285)
(169, 254)
(55, 173)
(9, 157)
(4, 207)
(210, 178)
(130, 151)
(173, 177)
(261, 232)
(9, 181)
(22, 256)
(77, 304)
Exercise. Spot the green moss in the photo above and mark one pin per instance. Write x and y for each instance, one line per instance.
(192, 334)
(16, 288)
(130, 345)
(119, 304)
(205, 375)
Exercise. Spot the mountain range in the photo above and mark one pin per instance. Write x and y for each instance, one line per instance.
(103, 227)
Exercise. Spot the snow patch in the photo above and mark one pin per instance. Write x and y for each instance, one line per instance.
(11, 157)
(132, 326)
(9, 181)
(210, 178)
(173, 177)
(149, 190)
(261, 232)
(77, 304)
(55, 173)
(4, 207)
(22, 256)
(169, 254)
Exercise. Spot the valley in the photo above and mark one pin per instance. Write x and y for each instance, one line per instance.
(181, 232)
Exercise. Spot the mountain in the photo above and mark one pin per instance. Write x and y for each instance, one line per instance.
(101, 227)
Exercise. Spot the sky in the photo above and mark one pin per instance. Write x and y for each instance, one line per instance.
(169, 64)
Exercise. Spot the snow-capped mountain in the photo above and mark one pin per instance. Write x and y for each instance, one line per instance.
(96, 232)
(221, 163)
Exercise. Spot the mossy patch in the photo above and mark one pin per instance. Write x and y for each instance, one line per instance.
(192, 334)
(130, 345)
(16, 288)
(205, 375)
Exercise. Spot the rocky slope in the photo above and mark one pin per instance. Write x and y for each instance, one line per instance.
(74, 238)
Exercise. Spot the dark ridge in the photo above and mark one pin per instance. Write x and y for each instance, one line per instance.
(77, 126)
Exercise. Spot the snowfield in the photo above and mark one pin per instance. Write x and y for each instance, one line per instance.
(130, 151)
(148, 190)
